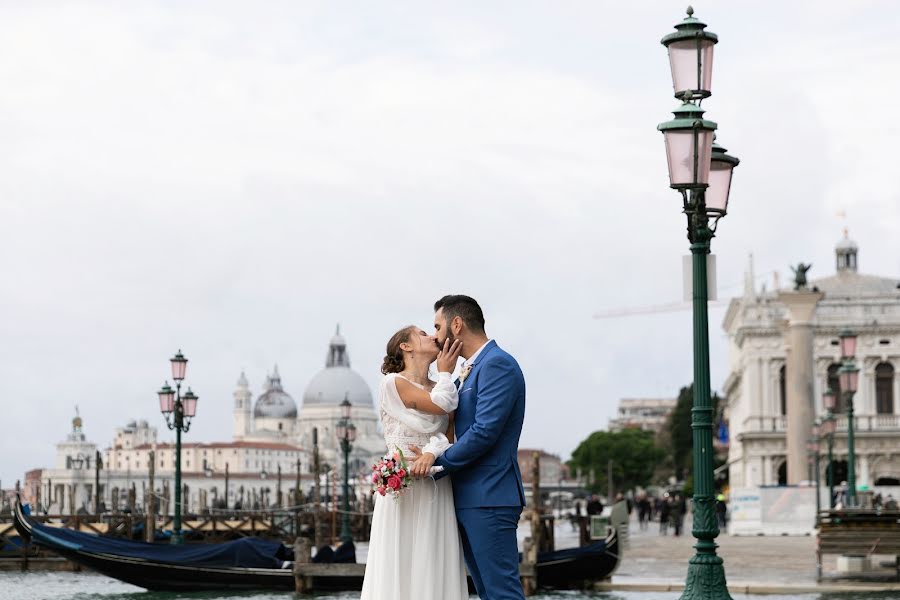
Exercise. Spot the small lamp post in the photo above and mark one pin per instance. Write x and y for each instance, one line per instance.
(848, 375)
(827, 429)
(178, 411)
(813, 445)
(346, 434)
(701, 172)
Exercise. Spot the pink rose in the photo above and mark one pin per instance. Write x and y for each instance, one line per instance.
(394, 482)
(401, 473)
(375, 477)
(381, 490)
(396, 456)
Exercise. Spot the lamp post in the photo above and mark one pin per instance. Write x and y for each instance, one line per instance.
(827, 429)
(813, 447)
(346, 434)
(848, 375)
(701, 172)
(181, 409)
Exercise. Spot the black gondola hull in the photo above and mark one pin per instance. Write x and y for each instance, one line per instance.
(574, 568)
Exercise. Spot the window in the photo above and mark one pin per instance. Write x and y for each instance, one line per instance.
(835, 384)
(782, 388)
(884, 389)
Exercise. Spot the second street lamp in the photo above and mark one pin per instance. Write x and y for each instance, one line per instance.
(848, 375)
(346, 433)
(702, 175)
(181, 409)
(827, 430)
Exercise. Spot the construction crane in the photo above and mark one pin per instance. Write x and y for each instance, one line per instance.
(615, 313)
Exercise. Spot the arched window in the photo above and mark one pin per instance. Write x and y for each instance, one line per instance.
(782, 474)
(782, 388)
(884, 389)
(834, 383)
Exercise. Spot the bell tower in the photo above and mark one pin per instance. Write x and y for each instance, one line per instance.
(243, 405)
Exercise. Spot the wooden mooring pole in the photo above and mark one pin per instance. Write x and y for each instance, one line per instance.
(150, 499)
(528, 571)
(302, 556)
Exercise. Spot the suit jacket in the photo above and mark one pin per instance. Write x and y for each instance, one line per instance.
(483, 463)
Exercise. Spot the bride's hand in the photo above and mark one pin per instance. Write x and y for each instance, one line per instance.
(422, 462)
(447, 357)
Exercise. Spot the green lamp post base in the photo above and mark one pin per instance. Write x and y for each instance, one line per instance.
(176, 539)
(705, 579)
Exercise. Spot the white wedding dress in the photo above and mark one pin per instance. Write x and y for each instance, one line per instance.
(415, 552)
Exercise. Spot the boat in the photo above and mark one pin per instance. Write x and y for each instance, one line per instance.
(255, 564)
(578, 568)
(246, 564)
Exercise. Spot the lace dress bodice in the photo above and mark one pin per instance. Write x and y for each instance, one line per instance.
(404, 427)
(400, 435)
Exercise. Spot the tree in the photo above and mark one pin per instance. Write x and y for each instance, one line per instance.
(680, 434)
(633, 452)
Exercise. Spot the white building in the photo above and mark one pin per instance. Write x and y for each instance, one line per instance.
(755, 386)
(272, 440)
(649, 414)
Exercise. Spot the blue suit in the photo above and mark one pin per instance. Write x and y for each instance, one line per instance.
(484, 467)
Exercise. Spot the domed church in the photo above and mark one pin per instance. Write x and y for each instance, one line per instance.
(274, 416)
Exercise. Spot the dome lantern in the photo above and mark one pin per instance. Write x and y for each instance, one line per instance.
(845, 254)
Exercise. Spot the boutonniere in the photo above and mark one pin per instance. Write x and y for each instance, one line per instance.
(464, 373)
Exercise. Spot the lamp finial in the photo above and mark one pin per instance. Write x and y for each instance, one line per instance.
(690, 11)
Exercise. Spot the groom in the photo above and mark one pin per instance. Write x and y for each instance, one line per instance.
(483, 463)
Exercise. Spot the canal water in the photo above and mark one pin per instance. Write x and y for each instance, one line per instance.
(90, 586)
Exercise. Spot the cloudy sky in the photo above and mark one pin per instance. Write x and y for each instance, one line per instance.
(233, 179)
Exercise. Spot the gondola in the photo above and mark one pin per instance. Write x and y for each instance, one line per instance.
(245, 564)
(578, 568)
(256, 564)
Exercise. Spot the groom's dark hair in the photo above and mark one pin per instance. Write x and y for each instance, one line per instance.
(464, 307)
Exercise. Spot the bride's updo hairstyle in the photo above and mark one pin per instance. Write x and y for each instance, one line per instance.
(393, 359)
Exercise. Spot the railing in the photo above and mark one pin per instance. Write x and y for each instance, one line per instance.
(765, 424)
(862, 423)
(281, 525)
(871, 423)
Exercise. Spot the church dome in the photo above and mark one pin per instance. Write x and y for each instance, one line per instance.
(337, 381)
(274, 402)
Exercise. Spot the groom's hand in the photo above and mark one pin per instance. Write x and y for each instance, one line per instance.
(421, 463)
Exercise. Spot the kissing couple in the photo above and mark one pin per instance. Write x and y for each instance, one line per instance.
(463, 505)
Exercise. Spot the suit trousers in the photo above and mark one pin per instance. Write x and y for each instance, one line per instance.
(491, 552)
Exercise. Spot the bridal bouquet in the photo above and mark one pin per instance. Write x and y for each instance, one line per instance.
(390, 475)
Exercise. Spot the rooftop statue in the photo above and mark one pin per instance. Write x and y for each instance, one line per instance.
(800, 270)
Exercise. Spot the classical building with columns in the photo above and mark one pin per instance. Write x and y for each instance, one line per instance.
(760, 392)
(269, 455)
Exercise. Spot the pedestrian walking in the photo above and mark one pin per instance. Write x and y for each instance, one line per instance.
(721, 511)
(665, 509)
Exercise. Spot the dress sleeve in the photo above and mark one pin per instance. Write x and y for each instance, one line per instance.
(437, 445)
(445, 393)
(391, 404)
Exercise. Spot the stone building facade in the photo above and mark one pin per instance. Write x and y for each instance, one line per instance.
(756, 389)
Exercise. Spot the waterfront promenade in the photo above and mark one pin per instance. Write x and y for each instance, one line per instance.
(760, 564)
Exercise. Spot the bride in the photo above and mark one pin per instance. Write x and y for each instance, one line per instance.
(415, 552)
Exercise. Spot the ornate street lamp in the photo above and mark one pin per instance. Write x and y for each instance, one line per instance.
(346, 434)
(181, 409)
(701, 172)
(827, 429)
(848, 344)
(690, 58)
